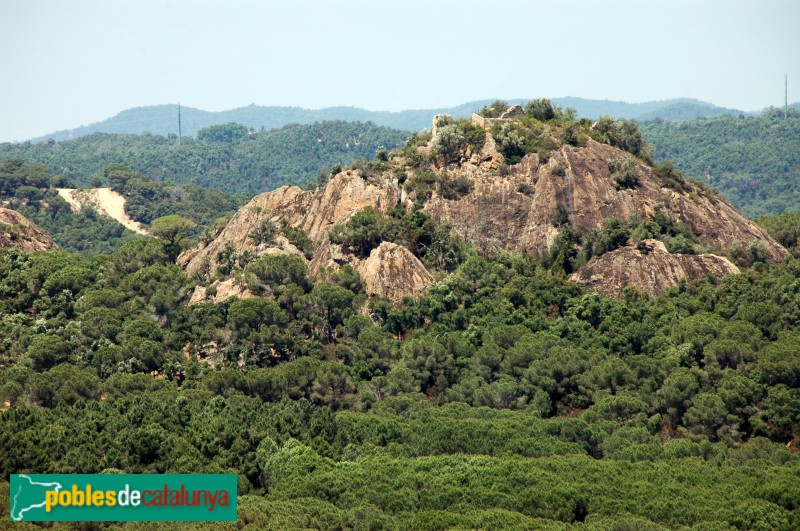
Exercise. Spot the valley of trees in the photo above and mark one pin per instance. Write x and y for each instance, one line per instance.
(753, 161)
(226, 157)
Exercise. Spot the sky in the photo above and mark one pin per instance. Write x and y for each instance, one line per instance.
(67, 63)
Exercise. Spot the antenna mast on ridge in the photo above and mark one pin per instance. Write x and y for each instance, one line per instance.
(179, 123)
(785, 96)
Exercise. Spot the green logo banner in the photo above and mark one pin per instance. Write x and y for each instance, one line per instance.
(122, 497)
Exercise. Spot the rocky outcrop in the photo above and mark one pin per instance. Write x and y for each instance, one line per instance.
(316, 212)
(496, 207)
(18, 231)
(105, 201)
(514, 110)
(648, 267)
(219, 291)
(392, 271)
(514, 208)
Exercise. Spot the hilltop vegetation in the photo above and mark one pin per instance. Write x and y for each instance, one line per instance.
(753, 161)
(227, 157)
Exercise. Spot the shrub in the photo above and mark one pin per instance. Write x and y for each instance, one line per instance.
(494, 109)
(623, 171)
(542, 109)
(559, 169)
(757, 251)
(362, 233)
(450, 142)
(454, 188)
(520, 137)
(613, 234)
(563, 253)
(680, 244)
(571, 135)
(299, 239)
(561, 215)
(422, 184)
(511, 140)
(677, 236)
(416, 140)
(226, 259)
(671, 178)
(263, 232)
(276, 272)
(453, 139)
(382, 154)
(624, 135)
(525, 188)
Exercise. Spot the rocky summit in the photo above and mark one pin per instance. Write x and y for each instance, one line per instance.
(512, 183)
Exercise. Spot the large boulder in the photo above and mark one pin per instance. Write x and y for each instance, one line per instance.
(392, 271)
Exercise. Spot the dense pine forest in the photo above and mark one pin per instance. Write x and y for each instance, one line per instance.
(504, 396)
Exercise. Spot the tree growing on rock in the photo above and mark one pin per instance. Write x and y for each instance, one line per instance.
(173, 230)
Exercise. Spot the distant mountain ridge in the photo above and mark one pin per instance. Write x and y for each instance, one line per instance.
(163, 119)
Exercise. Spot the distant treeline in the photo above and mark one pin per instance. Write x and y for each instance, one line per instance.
(753, 161)
(227, 157)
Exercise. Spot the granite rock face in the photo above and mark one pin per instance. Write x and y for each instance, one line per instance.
(514, 208)
(514, 110)
(648, 267)
(316, 212)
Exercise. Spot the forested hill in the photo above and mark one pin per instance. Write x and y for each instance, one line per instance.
(227, 157)
(753, 161)
(503, 396)
(163, 119)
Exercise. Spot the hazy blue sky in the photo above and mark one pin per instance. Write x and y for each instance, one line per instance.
(67, 63)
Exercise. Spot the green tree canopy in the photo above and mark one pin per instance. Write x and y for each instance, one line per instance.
(173, 230)
(227, 133)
